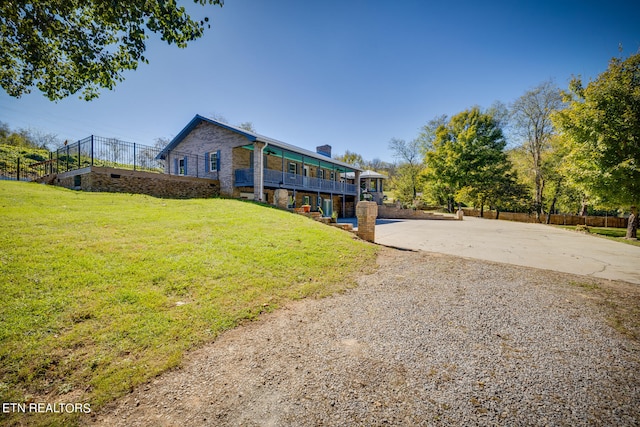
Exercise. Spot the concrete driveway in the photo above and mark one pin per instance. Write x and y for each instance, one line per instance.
(530, 245)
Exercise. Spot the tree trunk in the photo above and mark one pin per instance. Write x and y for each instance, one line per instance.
(556, 193)
(552, 208)
(539, 181)
(482, 210)
(583, 208)
(632, 226)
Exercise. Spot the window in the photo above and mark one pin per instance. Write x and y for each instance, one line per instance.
(333, 176)
(293, 168)
(182, 166)
(212, 161)
(321, 173)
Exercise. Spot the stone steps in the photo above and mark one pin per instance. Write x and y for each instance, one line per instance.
(317, 216)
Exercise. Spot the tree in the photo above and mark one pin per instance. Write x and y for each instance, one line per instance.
(603, 123)
(248, 126)
(407, 174)
(28, 138)
(62, 47)
(467, 158)
(352, 158)
(428, 132)
(531, 115)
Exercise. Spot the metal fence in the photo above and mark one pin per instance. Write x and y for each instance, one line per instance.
(20, 169)
(104, 152)
(113, 153)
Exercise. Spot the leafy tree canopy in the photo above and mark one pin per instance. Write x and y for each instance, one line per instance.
(603, 123)
(351, 158)
(65, 46)
(467, 159)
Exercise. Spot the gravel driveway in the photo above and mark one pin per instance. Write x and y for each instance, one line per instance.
(426, 340)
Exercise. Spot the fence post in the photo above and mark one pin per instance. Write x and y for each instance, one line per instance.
(134, 156)
(91, 150)
(67, 159)
(79, 144)
(18, 169)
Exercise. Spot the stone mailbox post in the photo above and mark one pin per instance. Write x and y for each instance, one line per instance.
(367, 212)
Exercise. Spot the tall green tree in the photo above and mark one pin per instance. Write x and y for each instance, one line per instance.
(65, 46)
(467, 158)
(531, 120)
(603, 122)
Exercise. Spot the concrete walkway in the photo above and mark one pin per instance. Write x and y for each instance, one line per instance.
(531, 245)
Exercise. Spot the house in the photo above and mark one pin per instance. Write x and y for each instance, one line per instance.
(253, 166)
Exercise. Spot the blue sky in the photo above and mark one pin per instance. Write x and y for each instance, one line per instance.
(351, 73)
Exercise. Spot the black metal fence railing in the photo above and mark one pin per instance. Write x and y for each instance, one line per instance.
(113, 153)
(104, 152)
(21, 169)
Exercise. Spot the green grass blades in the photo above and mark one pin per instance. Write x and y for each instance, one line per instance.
(100, 292)
(616, 234)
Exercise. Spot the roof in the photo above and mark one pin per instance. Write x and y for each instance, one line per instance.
(366, 174)
(251, 137)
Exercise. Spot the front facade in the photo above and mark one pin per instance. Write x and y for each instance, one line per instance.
(252, 166)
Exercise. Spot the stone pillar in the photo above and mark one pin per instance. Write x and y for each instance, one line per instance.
(367, 212)
(258, 171)
(281, 198)
(460, 214)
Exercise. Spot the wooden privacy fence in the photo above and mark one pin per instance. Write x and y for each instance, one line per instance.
(591, 221)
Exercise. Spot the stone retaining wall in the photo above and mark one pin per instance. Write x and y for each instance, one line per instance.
(388, 212)
(112, 180)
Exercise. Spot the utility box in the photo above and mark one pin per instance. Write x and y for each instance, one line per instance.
(327, 207)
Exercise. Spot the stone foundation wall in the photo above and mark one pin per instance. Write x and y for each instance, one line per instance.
(136, 182)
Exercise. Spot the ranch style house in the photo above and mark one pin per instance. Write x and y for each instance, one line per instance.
(253, 166)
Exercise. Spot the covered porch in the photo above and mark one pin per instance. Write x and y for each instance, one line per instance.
(278, 167)
(291, 181)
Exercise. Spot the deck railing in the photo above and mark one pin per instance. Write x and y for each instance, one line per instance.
(113, 153)
(276, 179)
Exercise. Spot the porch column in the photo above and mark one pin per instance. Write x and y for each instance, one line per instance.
(258, 170)
(357, 182)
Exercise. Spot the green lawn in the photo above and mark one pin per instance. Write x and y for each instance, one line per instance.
(100, 292)
(616, 234)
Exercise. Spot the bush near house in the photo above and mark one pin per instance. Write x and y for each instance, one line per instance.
(100, 292)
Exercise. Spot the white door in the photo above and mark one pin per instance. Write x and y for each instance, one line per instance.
(305, 174)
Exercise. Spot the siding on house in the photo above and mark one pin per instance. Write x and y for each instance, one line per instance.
(207, 138)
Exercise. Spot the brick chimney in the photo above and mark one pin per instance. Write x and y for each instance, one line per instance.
(325, 150)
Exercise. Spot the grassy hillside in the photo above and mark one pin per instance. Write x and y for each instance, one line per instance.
(9, 154)
(100, 292)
